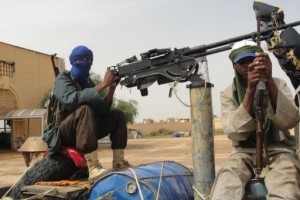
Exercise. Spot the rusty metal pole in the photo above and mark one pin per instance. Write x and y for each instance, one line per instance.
(202, 138)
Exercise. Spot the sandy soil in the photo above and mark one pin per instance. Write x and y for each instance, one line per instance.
(139, 151)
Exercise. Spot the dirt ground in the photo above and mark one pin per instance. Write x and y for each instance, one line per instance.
(139, 151)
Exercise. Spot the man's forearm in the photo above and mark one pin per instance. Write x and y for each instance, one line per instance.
(100, 87)
(109, 97)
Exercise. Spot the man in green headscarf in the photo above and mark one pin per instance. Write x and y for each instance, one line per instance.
(282, 181)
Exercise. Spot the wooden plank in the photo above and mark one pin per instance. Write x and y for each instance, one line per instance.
(56, 191)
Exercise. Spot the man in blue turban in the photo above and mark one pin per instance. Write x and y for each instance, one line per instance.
(83, 117)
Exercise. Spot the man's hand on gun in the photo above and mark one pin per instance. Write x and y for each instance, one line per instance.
(111, 79)
(260, 69)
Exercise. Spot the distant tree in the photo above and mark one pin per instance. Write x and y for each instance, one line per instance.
(128, 107)
(96, 78)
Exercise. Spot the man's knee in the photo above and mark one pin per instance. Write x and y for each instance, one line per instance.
(84, 112)
(118, 114)
(235, 164)
(240, 165)
(84, 108)
(231, 179)
(286, 162)
(283, 178)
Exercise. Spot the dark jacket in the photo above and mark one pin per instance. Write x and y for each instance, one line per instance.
(68, 93)
(68, 96)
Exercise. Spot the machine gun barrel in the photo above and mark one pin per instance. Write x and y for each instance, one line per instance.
(217, 47)
(166, 65)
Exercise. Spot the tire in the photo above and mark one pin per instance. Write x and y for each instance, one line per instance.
(54, 168)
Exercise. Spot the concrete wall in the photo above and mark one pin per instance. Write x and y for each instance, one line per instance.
(148, 126)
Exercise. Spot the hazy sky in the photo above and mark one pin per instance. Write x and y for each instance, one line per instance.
(118, 29)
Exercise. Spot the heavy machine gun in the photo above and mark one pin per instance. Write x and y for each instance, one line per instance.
(166, 65)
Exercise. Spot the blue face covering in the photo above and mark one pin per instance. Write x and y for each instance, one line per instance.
(81, 69)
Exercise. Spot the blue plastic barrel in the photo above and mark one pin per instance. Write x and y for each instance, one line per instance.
(159, 180)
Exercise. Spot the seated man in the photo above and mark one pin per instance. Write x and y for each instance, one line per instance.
(84, 117)
(282, 181)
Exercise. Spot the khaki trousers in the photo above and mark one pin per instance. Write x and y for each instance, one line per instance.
(282, 181)
(83, 128)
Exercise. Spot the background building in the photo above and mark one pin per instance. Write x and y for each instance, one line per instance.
(25, 76)
(148, 126)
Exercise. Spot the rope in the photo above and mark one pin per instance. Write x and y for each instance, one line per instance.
(38, 196)
(10, 189)
(173, 86)
(185, 104)
(137, 182)
(199, 194)
(160, 179)
(65, 183)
